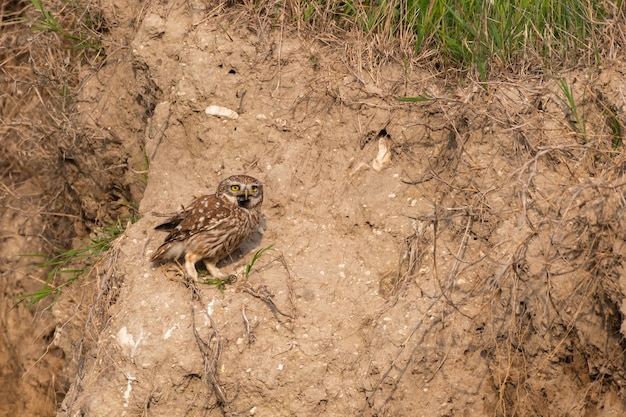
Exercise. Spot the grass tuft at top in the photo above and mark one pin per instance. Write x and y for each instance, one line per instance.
(484, 36)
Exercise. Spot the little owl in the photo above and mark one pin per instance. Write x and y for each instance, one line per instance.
(213, 226)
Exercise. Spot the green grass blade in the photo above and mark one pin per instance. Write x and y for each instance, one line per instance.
(255, 258)
(417, 99)
(63, 264)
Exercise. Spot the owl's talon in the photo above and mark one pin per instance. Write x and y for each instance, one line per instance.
(230, 279)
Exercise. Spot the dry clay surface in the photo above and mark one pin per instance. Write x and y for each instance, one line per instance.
(434, 258)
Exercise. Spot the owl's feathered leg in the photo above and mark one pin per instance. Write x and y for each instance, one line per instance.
(190, 265)
(213, 270)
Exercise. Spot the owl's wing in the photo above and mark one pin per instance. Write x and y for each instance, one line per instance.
(172, 222)
(204, 214)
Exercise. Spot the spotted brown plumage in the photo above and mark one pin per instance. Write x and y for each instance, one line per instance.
(213, 226)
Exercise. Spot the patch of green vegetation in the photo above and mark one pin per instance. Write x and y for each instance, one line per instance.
(481, 35)
(611, 118)
(615, 126)
(85, 39)
(578, 125)
(67, 266)
(141, 175)
(221, 283)
(255, 258)
(417, 99)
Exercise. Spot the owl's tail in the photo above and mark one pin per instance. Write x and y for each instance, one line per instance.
(168, 251)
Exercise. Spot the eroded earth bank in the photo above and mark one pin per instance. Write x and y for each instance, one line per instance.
(458, 256)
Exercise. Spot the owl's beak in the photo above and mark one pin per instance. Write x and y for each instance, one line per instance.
(243, 199)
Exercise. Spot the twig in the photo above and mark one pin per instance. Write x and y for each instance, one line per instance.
(241, 94)
(211, 351)
(251, 337)
(264, 294)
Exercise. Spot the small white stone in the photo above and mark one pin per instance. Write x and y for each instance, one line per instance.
(219, 111)
(384, 155)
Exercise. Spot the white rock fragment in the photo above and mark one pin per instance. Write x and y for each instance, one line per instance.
(124, 338)
(129, 388)
(209, 307)
(168, 333)
(219, 111)
(384, 155)
(127, 341)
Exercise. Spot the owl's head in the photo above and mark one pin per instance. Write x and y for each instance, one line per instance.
(243, 190)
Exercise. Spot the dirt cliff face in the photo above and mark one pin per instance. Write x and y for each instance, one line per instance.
(455, 256)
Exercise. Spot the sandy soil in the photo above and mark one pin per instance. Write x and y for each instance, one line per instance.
(461, 256)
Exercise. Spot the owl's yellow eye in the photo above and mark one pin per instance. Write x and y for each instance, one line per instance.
(255, 188)
(234, 188)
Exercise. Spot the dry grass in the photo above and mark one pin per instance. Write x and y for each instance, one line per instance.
(39, 72)
(460, 39)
